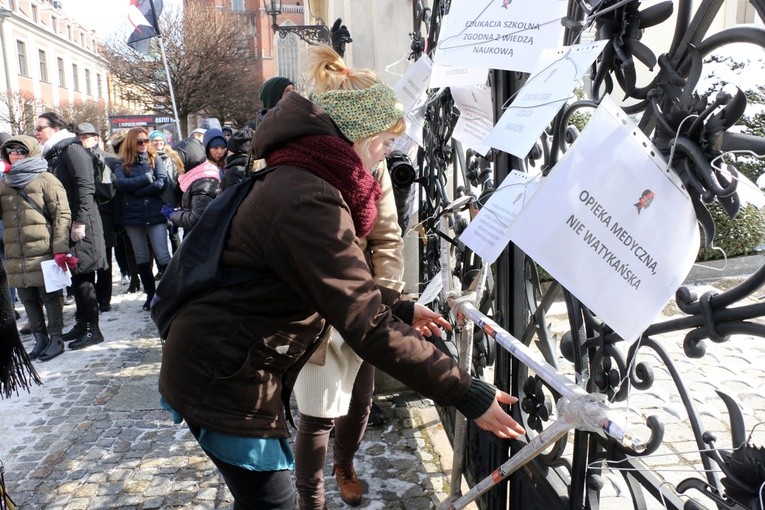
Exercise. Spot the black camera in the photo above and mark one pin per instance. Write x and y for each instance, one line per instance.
(402, 173)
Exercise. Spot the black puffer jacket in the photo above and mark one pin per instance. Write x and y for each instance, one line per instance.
(235, 170)
(73, 165)
(200, 186)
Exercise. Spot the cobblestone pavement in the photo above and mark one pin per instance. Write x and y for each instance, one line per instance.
(94, 436)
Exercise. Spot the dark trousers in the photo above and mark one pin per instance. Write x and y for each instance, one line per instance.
(255, 490)
(84, 290)
(312, 440)
(121, 247)
(34, 299)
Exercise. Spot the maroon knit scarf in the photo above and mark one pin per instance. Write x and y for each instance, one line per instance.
(334, 160)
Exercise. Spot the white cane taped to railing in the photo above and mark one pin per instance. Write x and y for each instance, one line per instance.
(612, 224)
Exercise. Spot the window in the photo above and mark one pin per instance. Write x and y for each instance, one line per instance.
(88, 90)
(21, 49)
(745, 12)
(54, 24)
(61, 74)
(288, 57)
(35, 16)
(69, 32)
(98, 85)
(13, 5)
(43, 65)
(237, 5)
(75, 78)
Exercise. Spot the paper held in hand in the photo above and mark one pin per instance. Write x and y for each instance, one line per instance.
(55, 278)
(612, 224)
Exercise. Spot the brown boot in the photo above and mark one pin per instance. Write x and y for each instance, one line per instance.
(349, 484)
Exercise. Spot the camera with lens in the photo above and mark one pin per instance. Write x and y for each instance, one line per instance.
(402, 173)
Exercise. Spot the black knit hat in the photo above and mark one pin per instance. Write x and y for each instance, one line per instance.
(240, 141)
(272, 90)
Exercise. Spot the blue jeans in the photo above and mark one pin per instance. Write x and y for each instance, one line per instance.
(140, 236)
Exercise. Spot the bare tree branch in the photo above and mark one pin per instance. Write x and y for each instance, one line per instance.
(209, 57)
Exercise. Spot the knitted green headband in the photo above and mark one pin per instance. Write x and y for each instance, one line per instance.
(361, 113)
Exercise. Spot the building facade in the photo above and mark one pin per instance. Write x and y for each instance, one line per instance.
(275, 56)
(49, 60)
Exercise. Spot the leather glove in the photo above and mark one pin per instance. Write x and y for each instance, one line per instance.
(64, 259)
(340, 36)
(77, 231)
(167, 210)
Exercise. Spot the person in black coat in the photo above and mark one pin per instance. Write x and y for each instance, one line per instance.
(199, 181)
(236, 170)
(91, 140)
(73, 165)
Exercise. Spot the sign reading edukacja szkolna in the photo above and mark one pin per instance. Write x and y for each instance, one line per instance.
(611, 224)
(499, 34)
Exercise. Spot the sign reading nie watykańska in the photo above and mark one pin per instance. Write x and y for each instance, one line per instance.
(612, 224)
(556, 75)
(499, 34)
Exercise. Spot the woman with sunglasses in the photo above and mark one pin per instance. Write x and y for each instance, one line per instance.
(141, 177)
(36, 217)
(72, 164)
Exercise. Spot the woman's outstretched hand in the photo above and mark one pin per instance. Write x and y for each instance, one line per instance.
(427, 322)
(497, 421)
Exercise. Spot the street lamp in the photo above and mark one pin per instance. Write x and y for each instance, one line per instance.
(311, 34)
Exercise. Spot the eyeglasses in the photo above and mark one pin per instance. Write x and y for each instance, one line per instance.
(142, 142)
(40, 128)
(21, 151)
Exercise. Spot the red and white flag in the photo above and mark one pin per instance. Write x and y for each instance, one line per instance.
(143, 16)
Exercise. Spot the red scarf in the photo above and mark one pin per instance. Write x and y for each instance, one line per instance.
(334, 160)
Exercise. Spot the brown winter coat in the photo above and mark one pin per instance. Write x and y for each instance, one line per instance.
(29, 238)
(231, 356)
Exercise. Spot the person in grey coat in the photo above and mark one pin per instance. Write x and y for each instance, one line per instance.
(73, 165)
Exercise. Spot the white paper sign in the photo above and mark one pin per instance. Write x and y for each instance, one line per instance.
(476, 117)
(489, 232)
(611, 224)
(432, 290)
(555, 77)
(455, 76)
(54, 277)
(414, 83)
(499, 34)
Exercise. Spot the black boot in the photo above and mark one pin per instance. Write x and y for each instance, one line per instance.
(41, 342)
(135, 284)
(92, 336)
(147, 279)
(160, 271)
(76, 332)
(54, 348)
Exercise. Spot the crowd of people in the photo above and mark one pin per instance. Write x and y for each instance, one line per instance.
(233, 356)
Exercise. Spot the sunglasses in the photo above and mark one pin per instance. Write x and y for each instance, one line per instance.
(17, 150)
(142, 142)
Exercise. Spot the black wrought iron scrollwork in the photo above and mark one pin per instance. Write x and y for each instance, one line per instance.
(692, 131)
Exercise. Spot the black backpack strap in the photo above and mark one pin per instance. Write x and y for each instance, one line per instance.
(34, 205)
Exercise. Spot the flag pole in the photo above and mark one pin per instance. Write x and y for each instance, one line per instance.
(170, 86)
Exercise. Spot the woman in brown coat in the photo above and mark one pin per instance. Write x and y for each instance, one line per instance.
(36, 217)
